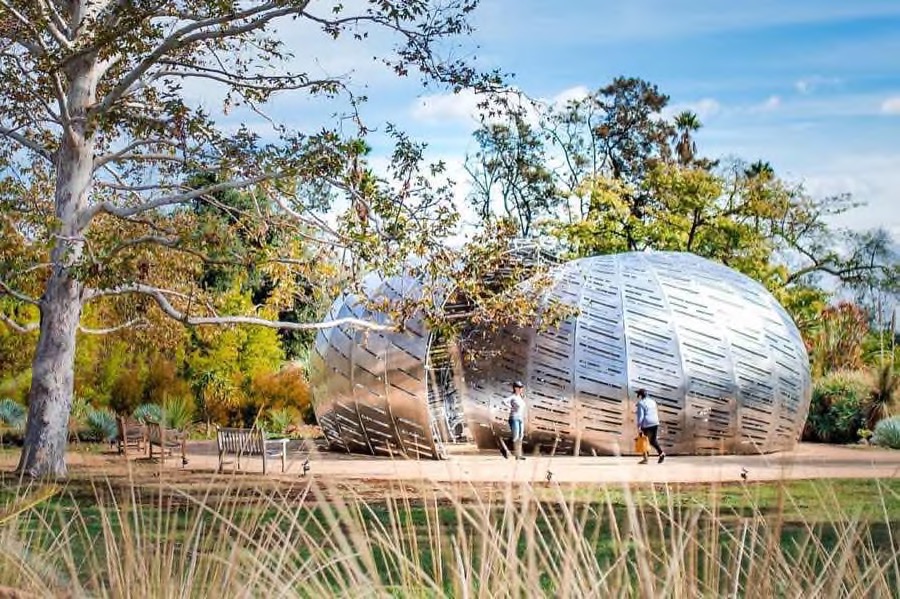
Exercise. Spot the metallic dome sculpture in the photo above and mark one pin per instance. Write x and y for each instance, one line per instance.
(722, 358)
(384, 392)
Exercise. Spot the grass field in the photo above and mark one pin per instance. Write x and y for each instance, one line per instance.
(238, 537)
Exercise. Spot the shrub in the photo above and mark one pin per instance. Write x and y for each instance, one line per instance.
(836, 412)
(148, 412)
(12, 414)
(178, 412)
(287, 388)
(101, 425)
(883, 395)
(279, 420)
(126, 392)
(887, 433)
(81, 407)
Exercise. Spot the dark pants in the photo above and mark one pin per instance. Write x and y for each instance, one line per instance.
(650, 431)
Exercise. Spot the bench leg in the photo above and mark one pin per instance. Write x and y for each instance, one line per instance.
(221, 459)
(264, 459)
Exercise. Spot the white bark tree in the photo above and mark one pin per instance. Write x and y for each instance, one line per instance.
(103, 156)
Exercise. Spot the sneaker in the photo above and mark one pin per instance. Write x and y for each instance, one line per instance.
(662, 458)
(643, 461)
(521, 457)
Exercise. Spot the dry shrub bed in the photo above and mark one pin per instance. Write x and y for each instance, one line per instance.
(245, 536)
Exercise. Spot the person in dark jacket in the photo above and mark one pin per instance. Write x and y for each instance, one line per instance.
(647, 416)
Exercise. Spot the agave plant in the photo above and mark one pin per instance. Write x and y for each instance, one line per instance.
(887, 433)
(178, 412)
(148, 412)
(101, 425)
(12, 414)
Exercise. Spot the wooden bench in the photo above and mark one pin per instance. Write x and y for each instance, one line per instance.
(131, 434)
(241, 442)
(167, 439)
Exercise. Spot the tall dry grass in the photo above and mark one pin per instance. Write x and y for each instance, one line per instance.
(102, 538)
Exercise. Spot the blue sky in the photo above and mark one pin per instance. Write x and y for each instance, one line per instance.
(813, 87)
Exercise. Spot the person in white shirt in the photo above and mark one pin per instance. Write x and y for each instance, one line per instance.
(518, 408)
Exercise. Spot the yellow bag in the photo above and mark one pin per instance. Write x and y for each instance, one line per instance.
(641, 444)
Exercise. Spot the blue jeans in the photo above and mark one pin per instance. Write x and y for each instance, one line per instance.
(516, 430)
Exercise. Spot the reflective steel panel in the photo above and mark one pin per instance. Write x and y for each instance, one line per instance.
(371, 388)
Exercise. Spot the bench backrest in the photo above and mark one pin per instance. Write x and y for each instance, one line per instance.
(241, 441)
(129, 428)
(157, 434)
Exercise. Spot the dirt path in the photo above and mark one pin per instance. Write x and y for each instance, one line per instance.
(468, 465)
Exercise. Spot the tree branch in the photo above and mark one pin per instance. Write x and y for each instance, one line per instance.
(5, 288)
(34, 326)
(159, 296)
(126, 152)
(107, 331)
(28, 143)
(19, 328)
(113, 210)
(194, 32)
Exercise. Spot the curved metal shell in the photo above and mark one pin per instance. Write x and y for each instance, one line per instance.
(722, 358)
(370, 387)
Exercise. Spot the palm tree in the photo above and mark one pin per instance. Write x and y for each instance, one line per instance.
(686, 123)
(761, 170)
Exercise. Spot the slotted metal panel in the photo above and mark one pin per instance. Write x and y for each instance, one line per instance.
(723, 360)
(370, 388)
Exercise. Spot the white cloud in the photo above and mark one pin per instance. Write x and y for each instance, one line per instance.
(440, 108)
(703, 108)
(870, 178)
(808, 85)
(578, 92)
(891, 105)
(771, 103)
(466, 108)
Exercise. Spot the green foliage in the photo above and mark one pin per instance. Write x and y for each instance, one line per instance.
(884, 394)
(837, 409)
(178, 412)
(127, 391)
(148, 412)
(887, 433)
(12, 414)
(81, 407)
(836, 339)
(100, 425)
(510, 176)
(279, 420)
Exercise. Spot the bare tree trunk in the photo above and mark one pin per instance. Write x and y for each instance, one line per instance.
(52, 380)
(50, 397)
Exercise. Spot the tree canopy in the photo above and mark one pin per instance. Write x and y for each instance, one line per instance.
(609, 172)
(119, 185)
